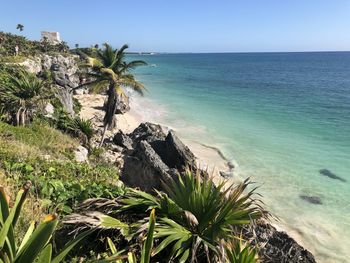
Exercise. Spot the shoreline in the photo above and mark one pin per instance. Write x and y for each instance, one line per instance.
(208, 157)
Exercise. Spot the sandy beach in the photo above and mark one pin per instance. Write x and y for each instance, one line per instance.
(209, 158)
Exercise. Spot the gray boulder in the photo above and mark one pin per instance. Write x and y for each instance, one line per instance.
(276, 246)
(155, 156)
(122, 140)
(149, 132)
(145, 169)
(178, 155)
(81, 154)
(123, 105)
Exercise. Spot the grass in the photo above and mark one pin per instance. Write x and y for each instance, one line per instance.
(13, 59)
(35, 141)
(44, 155)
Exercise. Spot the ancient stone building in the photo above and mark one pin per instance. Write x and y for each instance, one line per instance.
(52, 37)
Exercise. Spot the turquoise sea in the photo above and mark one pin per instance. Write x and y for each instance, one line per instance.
(282, 117)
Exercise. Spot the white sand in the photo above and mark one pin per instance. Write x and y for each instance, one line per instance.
(208, 159)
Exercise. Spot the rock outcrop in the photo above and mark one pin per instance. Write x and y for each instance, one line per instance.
(145, 169)
(123, 140)
(123, 104)
(155, 156)
(177, 154)
(81, 154)
(277, 246)
(64, 73)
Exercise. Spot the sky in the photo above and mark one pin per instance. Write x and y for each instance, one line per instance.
(187, 25)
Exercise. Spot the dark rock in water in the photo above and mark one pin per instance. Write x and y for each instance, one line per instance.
(145, 169)
(312, 199)
(277, 246)
(122, 104)
(178, 155)
(122, 140)
(329, 174)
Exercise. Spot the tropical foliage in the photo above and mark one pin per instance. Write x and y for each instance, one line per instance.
(195, 218)
(130, 257)
(22, 97)
(27, 47)
(20, 27)
(240, 252)
(197, 221)
(111, 70)
(35, 245)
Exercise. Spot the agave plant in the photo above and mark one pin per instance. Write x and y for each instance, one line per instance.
(196, 216)
(130, 257)
(35, 245)
(80, 127)
(110, 71)
(22, 96)
(240, 252)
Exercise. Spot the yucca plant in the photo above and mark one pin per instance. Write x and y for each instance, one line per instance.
(238, 251)
(22, 96)
(35, 245)
(110, 71)
(130, 257)
(195, 216)
(81, 126)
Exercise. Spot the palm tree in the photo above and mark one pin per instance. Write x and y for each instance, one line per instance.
(20, 27)
(110, 70)
(22, 96)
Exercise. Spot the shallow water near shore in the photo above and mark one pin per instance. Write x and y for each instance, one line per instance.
(281, 116)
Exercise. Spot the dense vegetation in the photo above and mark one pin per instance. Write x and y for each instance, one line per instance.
(27, 47)
(192, 220)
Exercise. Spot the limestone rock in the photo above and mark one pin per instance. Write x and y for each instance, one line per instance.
(145, 169)
(122, 140)
(122, 104)
(178, 155)
(81, 154)
(32, 65)
(49, 110)
(149, 132)
(277, 246)
(155, 156)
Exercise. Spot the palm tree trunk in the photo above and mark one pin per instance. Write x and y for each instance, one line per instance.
(103, 136)
(110, 108)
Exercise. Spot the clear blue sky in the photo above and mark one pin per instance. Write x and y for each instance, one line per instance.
(187, 25)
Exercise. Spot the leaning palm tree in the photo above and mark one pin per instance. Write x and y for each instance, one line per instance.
(110, 70)
(22, 96)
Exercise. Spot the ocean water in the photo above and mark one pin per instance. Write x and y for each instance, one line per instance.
(282, 117)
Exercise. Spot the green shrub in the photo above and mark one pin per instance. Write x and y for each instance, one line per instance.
(23, 97)
(195, 216)
(76, 106)
(196, 220)
(27, 47)
(62, 185)
(76, 127)
(35, 245)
